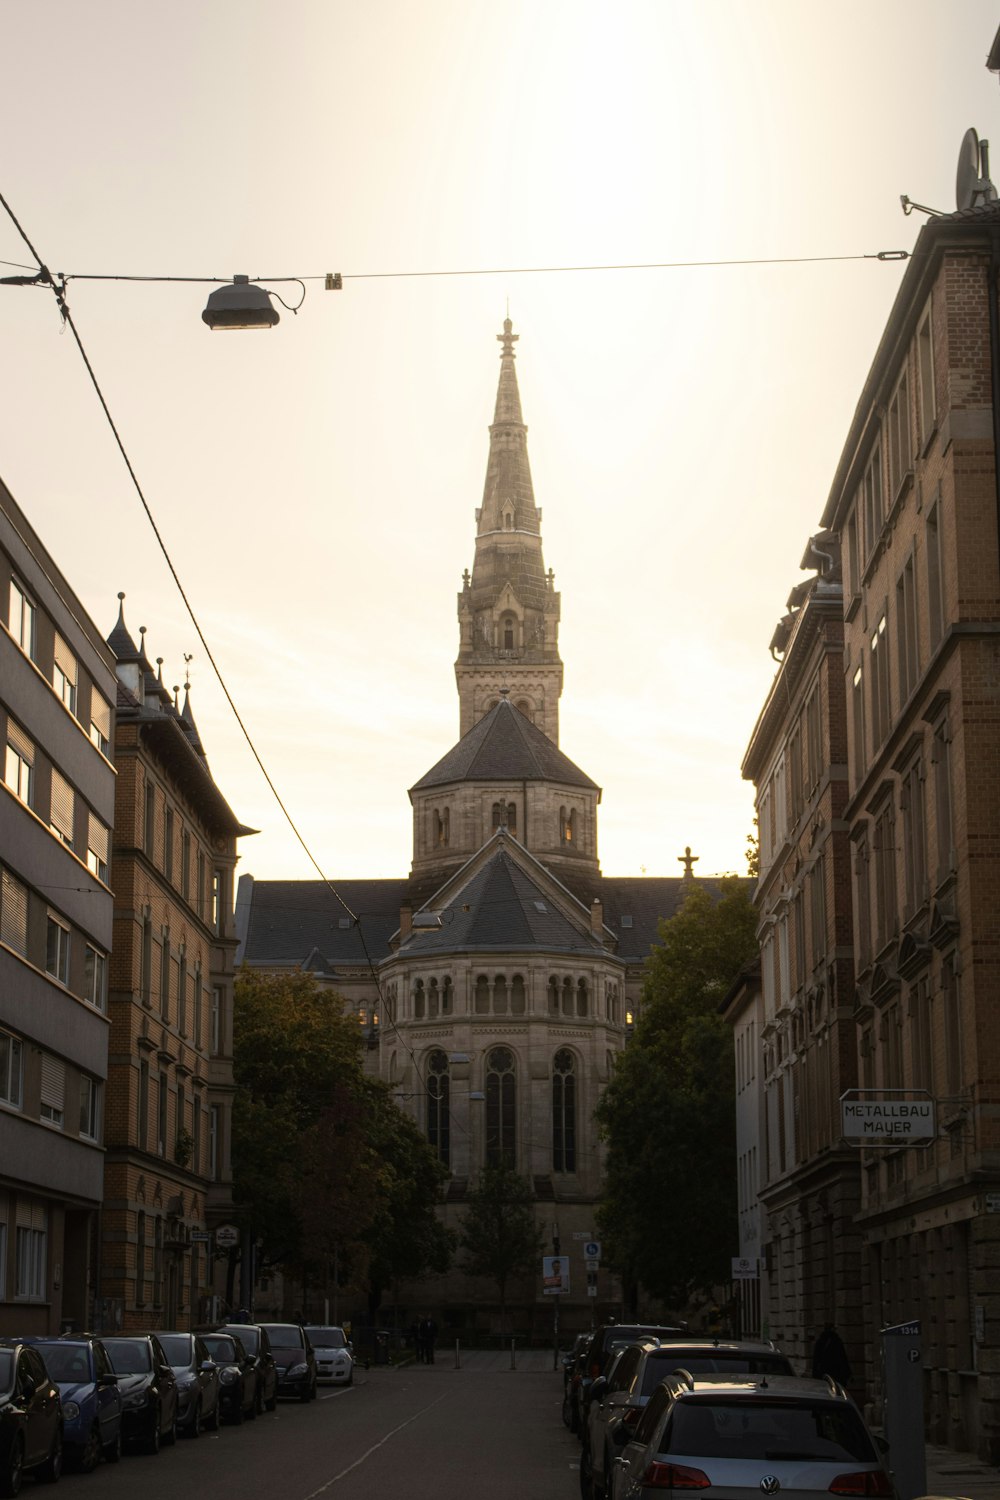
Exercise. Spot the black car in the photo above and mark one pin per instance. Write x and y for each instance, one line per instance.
(198, 1386)
(237, 1376)
(294, 1360)
(148, 1387)
(258, 1347)
(604, 1341)
(31, 1423)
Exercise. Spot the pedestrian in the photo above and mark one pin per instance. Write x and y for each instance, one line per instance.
(830, 1357)
(428, 1334)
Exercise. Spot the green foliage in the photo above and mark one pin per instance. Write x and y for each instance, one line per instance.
(668, 1214)
(325, 1165)
(498, 1235)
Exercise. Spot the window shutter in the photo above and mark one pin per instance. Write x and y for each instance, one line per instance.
(65, 660)
(97, 839)
(14, 914)
(63, 804)
(100, 719)
(53, 1082)
(20, 742)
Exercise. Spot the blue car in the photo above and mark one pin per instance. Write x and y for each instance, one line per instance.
(91, 1400)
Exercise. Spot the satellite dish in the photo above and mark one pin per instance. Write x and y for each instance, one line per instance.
(972, 179)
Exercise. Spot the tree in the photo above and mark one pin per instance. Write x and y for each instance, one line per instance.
(668, 1212)
(498, 1233)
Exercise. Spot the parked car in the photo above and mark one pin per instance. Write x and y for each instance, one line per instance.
(334, 1353)
(775, 1435)
(604, 1340)
(294, 1360)
(237, 1376)
(258, 1347)
(31, 1421)
(149, 1390)
(572, 1368)
(91, 1399)
(198, 1386)
(623, 1391)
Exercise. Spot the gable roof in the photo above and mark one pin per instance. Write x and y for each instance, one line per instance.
(505, 746)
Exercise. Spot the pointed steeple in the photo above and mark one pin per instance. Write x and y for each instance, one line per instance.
(508, 609)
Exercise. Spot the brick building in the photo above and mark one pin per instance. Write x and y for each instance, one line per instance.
(168, 1181)
(57, 690)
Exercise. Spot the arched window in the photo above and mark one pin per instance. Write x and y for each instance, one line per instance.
(582, 998)
(418, 1000)
(553, 995)
(501, 1141)
(497, 815)
(441, 827)
(500, 994)
(482, 995)
(432, 998)
(567, 825)
(512, 817)
(567, 996)
(517, 1005)
(563, 1111)
(524, 707)
(438, 1111)
(508, 632)
(447, 996)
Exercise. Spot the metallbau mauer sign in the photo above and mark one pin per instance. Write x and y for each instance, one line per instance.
(888, 1118)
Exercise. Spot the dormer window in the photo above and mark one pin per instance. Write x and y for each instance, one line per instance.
(567, 825)
(507, 632)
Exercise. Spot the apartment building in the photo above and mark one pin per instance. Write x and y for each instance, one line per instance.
(57, 691)
(168, 1180)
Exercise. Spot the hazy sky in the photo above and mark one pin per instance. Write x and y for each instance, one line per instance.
(317, 484)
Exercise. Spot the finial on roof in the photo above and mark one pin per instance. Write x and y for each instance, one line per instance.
(688, 860)
(188, 659)
(159, 670)
(505, 692)
(508, 339)
(177, 697)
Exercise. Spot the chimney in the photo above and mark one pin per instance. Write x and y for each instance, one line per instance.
(597, 917)
(405, 922)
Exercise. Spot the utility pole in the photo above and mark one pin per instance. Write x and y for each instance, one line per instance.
(555, 1304)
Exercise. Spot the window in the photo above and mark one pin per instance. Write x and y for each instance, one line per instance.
(98, 839)
(879, 683)
(442, 827)
(161, 1115)
(900, 447)
(906, 626)
(196, 1135)
(925, 375)
(892, 1048)
(921, 1054)
(911, 801)
(935, 576)
(218, 899)
(885, 874)
(13, 913)
(185, 864)
(62, 807)
(95, 977)
(862, 906)
(196, 1005)
(814, 741)
(200, 893)
(214, 1143)
(817, 910)
(165, 975)
(853, 568)
(563, 1111)
(10, 1070)
(215, 1042)
(941, 758)
(89, 1108)
(168, 842)
(142, 1109)
(182, 991)
(140, 1259)
(20, 768)
(149, 820)
(100, 722)
(57, 949)
(870, 499)
(64, 674)
(53, 1099)
(146, 962)
(858, 725)
(793, 759)
(21, 618)
(951, 1003)
(438, 1111)
(31, 1252)
(500, 1104)
(567, 825)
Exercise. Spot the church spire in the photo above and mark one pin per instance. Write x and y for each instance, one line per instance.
(508, 608)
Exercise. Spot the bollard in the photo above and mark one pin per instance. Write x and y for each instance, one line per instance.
(458, 1361)
(512, 1362)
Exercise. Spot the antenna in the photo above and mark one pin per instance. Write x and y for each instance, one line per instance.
(972, 178)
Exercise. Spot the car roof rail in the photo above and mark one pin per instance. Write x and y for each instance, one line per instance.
(685, 1376)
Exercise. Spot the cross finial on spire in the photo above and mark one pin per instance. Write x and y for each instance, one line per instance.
(688, 860)
(508, 339)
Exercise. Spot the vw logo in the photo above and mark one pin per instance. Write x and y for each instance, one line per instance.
(770, 1484)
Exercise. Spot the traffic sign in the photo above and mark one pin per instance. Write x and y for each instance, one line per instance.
(744, 1268)
(592, 1250)
(200, 1236)
(227, 1236)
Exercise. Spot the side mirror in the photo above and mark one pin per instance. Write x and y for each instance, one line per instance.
(107, 1380)
(598, 1388)
(620, 1434)
(208, 1365)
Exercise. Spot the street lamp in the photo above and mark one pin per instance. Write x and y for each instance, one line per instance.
(240, 304)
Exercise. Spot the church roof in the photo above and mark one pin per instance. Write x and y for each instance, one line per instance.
(505, 746)
(287, 921)
(501, 907)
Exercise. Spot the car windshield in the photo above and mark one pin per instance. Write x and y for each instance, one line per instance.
(6, 1370)
(285, 1335)
(665, 1361)
(66, 1363)
(327, 1338)
(177, 1347)
(249, 1338)
(128, 1356)
(220, 1347)
(805, 1431)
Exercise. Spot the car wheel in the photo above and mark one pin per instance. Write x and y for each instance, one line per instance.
(113, 1451)
(152, 1443)
(214, 1422)
(258, 1400)
(272, 1405)
(251, 1411)
(52, 1467)
(10, 1479)
(350, 1378)
(193, 1428)
(90, 1455)
(305, 1395)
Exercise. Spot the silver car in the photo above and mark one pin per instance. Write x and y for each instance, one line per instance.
(334, 1354)
(738, 1439)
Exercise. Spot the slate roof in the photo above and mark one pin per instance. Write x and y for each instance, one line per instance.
(288, 921)
(505, 746)
(647, 899)
(502, 907)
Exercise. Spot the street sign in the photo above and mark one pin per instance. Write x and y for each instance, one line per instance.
(744, 1268)
(227, 1236)
(582, 1234)
(200, 1236)
(592, 1250)
(993, 1203)
(592, 1264)
(555, 1275)
(591, 1291)
(887, 1119)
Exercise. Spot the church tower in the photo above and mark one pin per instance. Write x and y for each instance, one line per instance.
(508, 610)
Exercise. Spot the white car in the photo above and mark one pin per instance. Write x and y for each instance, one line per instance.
(334, 1354)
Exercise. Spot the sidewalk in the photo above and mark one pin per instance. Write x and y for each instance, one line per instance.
(960, 1474)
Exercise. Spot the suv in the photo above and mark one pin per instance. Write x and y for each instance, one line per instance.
(30, 1417)
(774, 1435)
(603, 1342)
(621, 1394)
(91, 1400)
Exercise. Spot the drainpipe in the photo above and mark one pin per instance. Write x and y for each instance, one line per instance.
(993, 290)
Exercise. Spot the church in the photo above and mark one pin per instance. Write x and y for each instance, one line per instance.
(500, 978)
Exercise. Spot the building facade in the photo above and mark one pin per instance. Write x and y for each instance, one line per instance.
(168, 1179)
(57, 694)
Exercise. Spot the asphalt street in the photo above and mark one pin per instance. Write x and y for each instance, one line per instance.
(425, 1432)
